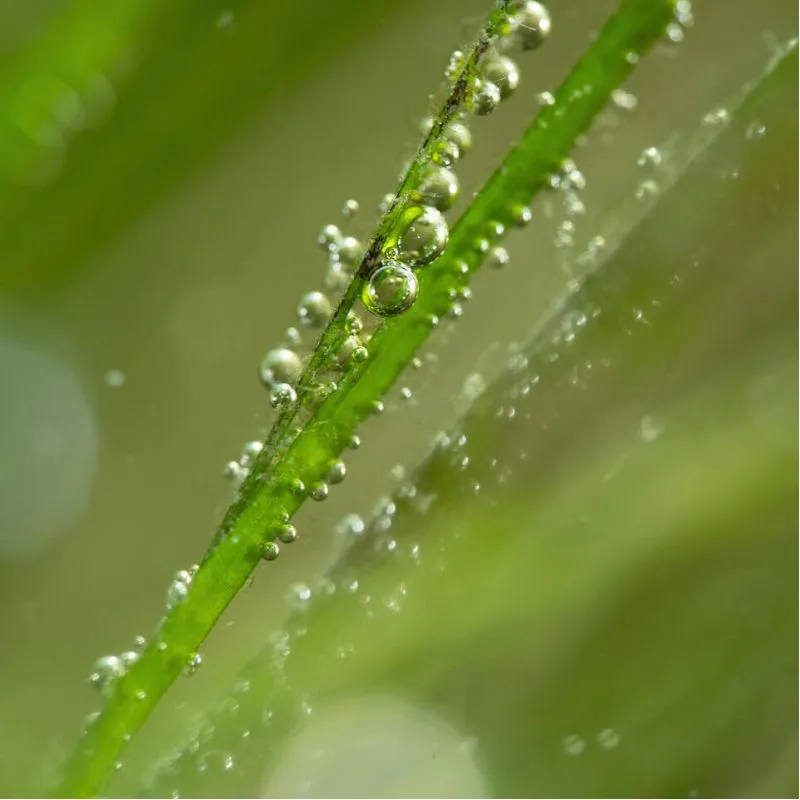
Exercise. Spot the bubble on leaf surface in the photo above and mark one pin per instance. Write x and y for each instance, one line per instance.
(439, 188)
(484, 98)
(391, 290)
(280, 365)
(502, 72)
(531, 24)
(422, 235)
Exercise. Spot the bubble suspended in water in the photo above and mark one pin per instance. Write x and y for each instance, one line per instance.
(350, 209)
(573, 745)
(497, 257)
(608, 739)
(298, 598)
(545, 99)
(531, 24)
(459, 134)
(624, 100)
(105, 671)
(646, 190)
(391, 290)
(337, 473)
(329, 237)
(422, 236)
(319, 492)
(280, 365)
(484, 98)
(349, 251)
(193, 663)
(755, 130)
(315, 309)
(649, 158)
(270, 551)
(502, 72)
(287, 533)
(282, 396)
(439, 188)
(251, 451)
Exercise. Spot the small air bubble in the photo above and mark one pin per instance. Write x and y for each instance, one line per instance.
(350, 209)
(484, 98)
(193, 663)
(391, 290)
(298, 597)
(573, 745)
(315, 309)
(282, 396)
(280, 365)
(502, 72)
(320, 492)
(608, 739)
(115, 378)
(287, 533)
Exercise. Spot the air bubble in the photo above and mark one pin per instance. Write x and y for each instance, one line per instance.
(329, 237)
(193, 663)
(422, 235)
(522, 216)
(649, 158)
(391, 290)
(459, 134)
(280, 365)
(531, 25)
(176, 593)
(349, 251)
(445, 152)
(351, 525)
(497, 257)
(755, 130)
(298, 598)
(320, 492)
(646, 190)
(545, 99)
(105, 671)
(287, 533)
(315, 309)
(484, 98)
(608, 739)
(270, 551)
(337, 473)
(282, 396)
(439, 188)
(128, 659)
(503, 73)
(625, 100)
(573, 745)
(350, 209)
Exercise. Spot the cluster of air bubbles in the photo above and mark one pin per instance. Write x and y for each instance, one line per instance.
(682, 18)
(178, 590)
(106, 670)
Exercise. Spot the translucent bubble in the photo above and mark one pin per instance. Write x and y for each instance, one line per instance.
(280, 365)
(128, 659)
(406, 393)
(439, 188)
(315, 309)
(282, 396)
(350, 251)
(459, 134)
(545, 99)
(287, 533)
(355, 442)
(445, 152)
(625, 100)
(484, 98)
(234, 471)
(105, 671)
(755, 130)
(646, 189)
(350, 208)
(114, 378)
(377, 407)
(717, 116)
(348, 349)
(298, 597)
(329, 237)
(337, 473)
(391, 290)
(650, 429)
(531, 24)
(573, 745)
(455, 65)
(193, 663)
(177, 592)
(502, 72)
(422, 235)
(252, 449)
(649, 157)
(360, 354)
(497, 257)
(351, 525)
(319, 492)
(608, 739)
(522, 216)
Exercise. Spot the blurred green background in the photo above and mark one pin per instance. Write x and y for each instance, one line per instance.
(164, 170)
